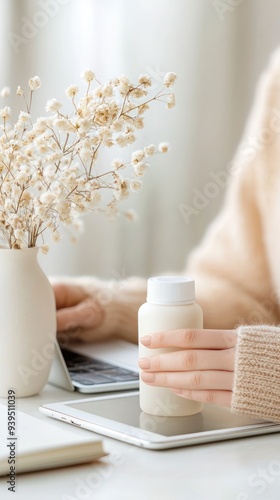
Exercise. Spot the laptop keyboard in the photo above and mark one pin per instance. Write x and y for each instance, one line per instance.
(90, 371)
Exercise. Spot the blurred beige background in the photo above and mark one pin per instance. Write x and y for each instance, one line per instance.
(218, 49)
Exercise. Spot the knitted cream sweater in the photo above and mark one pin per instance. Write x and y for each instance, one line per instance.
(237, 265)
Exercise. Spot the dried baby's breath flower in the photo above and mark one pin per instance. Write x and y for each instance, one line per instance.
(138, 123)
(163, 147)
(150, 150)
(56, 236)
(145, 80)
(5, 113)
(117, 164)
(138, 92)
(5, 92)
(117, 125)
(131, 215)
(23, 117)
(124, 85)
(107, 90)
(143, 108)
(49, 169)
(35, 83)
(137, 156)
(72, 91)
(53, 105)
(141, 168)
(169, 79)
(136, 185)
(19, 91)
(171, 101)
(44, 249)
(88, 75)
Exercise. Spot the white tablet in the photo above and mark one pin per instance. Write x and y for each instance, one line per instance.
(119, 416)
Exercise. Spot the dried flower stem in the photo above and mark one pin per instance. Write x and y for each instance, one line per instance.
(48, 170)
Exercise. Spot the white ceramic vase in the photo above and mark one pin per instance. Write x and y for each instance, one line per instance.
(27, 323)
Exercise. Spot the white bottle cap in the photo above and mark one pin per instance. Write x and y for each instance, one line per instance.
(170, 290)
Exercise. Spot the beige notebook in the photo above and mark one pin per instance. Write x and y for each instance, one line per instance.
(37, 444)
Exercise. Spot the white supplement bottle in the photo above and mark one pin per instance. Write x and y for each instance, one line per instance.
(170, 306)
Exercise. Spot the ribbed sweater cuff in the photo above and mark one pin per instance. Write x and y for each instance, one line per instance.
(256, 388)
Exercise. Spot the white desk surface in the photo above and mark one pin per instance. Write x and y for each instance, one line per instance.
(240, 469)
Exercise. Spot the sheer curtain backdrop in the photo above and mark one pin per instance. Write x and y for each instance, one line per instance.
(218, 54)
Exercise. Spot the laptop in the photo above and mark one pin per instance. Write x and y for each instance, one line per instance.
(98, 367)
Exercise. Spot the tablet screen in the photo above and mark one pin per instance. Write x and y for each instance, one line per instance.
(126, 410)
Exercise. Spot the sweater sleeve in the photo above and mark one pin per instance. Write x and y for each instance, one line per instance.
(236, 267)
(256, 389)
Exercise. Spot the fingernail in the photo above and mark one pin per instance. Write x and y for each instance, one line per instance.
(144, 363)
(146, 340)
(148, 377)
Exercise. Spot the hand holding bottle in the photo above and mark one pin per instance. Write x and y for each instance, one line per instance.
(202, 370)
